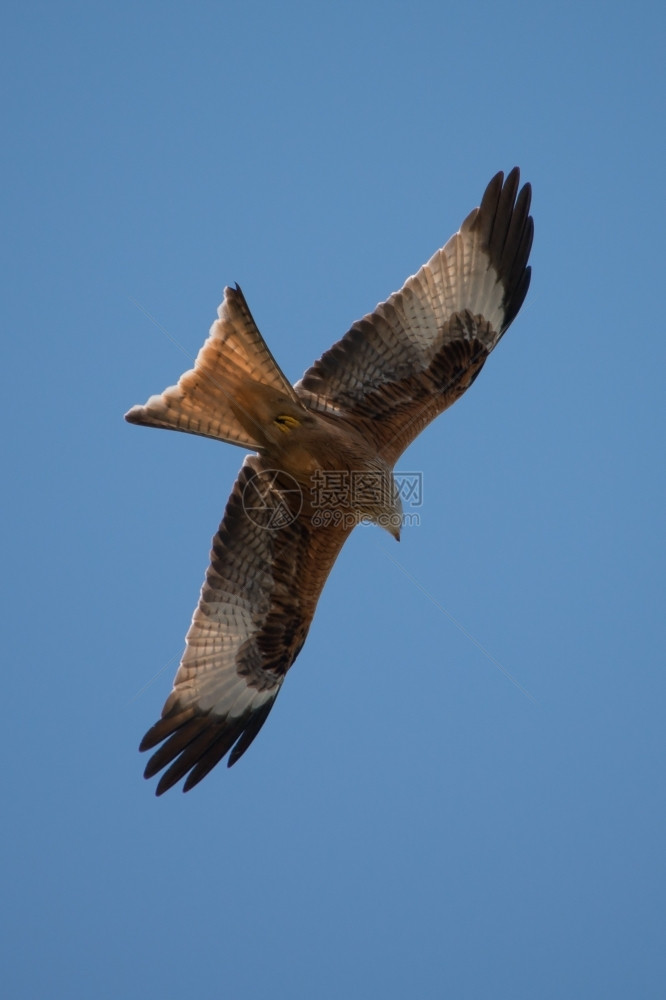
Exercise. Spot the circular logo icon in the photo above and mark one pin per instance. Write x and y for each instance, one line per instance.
(272, 499)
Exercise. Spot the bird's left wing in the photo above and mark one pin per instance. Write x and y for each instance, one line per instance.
(268, 566)
(400, 366)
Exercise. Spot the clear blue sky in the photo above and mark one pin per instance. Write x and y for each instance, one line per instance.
(410, 823)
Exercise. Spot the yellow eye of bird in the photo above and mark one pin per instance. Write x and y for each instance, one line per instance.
(286, 423)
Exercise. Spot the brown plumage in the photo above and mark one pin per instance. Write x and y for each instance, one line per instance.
(353, 412)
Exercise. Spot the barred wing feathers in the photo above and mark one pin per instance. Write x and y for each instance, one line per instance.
(400, 366)
(254, 612)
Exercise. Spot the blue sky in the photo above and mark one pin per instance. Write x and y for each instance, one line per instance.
(410, 822)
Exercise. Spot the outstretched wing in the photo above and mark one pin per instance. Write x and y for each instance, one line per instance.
(400, 366)
(268, 567)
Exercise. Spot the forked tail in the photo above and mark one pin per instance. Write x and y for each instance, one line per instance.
(234, 389)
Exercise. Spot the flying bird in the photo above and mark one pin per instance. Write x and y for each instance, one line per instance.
(344, 424)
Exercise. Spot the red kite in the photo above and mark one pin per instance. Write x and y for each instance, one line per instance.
(351, 416)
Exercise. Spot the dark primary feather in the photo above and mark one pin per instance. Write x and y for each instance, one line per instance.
(507, 230)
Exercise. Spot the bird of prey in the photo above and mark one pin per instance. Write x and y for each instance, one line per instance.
(349, 418)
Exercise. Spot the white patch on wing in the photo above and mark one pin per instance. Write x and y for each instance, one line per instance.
(462, 278)
(215, 685)
(249, 697)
